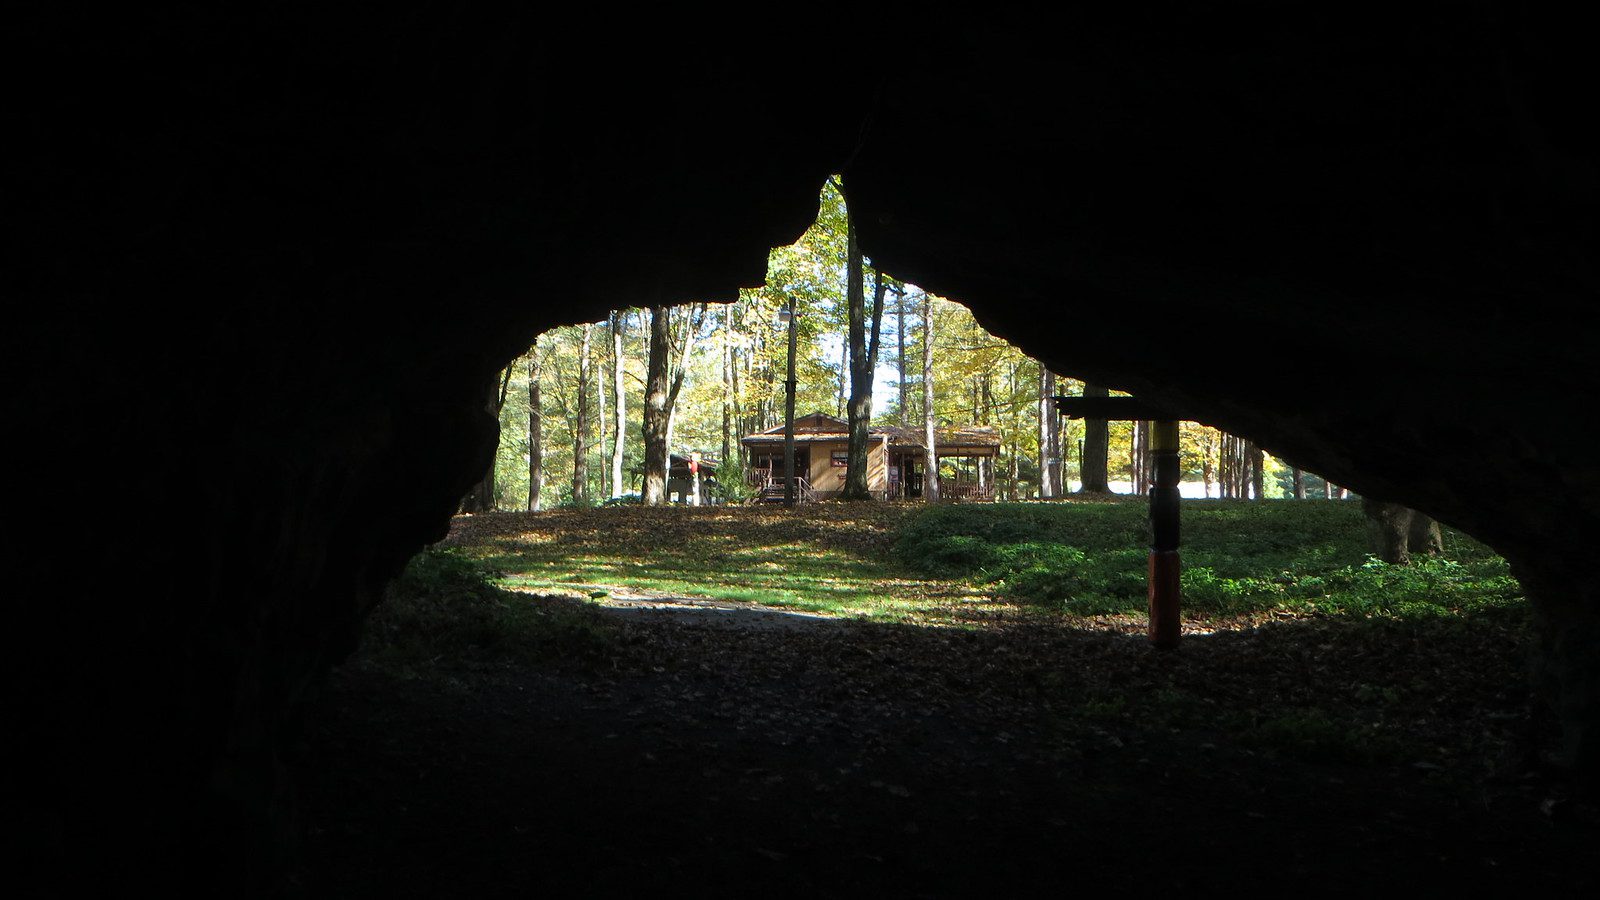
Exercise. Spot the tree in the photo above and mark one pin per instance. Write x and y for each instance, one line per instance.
(863, 360)
(1049, 437)
(580, 431)
(1096, 448)
(619, 401)
(903, 413)
(930, 455)
(789, 474)
(665, 372)
(657, 403)
(535, 429)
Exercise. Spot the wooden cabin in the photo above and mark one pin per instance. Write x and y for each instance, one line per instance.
(895, 460)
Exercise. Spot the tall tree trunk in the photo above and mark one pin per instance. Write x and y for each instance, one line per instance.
(1299, 479)
(900, 337)
(1096, 448)
(689, 326)
(863, 360)
(930, 454)
(1047, 470)
(1011, 470)
(727, 386)
(1258, 471)
(789, 474)
(655, 409)
(619, 402)
(535, 429)
(602, 423)
(1058, 477)
(580, 431)
(1136, 457)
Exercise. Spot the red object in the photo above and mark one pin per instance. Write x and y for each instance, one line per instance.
(1165, 620)
(694, 463)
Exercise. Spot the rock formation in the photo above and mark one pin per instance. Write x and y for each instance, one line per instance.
(265, 262)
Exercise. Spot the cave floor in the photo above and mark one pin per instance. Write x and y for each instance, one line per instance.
(700, 757)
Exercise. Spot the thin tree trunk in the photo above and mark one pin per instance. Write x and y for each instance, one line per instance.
(930, 454)
(535, 429)
(619, 402)
(1227, 476)
(789, 474)
(1096, 448)
(727, 385)
(1141, 459)
(900, 337)
(1058, 478)
(1011, 470)
(602, 423)
(1047, 389)
(1299, 479)
(580, 431)
(1258, 471)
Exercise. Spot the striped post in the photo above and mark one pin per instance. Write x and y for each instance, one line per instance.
(1165, 617)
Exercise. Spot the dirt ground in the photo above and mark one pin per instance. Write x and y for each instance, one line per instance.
(741, 752)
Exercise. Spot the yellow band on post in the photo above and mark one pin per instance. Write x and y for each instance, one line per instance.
(1163, 436)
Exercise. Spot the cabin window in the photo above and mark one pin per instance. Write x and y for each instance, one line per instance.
(841, 459)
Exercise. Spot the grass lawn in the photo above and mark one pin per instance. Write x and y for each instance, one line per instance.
(827, 558)
(973, 563)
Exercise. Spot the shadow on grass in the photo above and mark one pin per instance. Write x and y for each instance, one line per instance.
(659, 753)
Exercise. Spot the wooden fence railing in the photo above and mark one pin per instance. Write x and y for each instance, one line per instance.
(951, 489)
(769, 486)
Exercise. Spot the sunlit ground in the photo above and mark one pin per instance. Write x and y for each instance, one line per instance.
(965, 564)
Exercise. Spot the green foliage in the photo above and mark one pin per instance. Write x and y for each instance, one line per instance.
(1239, 557)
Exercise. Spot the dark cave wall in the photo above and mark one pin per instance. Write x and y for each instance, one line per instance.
(269, 266)
(270, 262)
(1387, 231)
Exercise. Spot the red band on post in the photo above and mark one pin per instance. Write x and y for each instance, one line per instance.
(1165, 621)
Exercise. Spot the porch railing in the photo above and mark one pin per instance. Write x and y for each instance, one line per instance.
(952, 489)
(764, 481)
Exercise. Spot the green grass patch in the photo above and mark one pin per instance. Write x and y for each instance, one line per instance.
(1239, 558)
(830, 559)
(975, 562)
